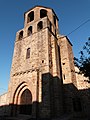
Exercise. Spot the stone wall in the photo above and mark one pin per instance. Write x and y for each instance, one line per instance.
(75, 86)
(67, 62)
(43, 61)
(83, 87)
(82, 82)
(3, 99)
(4, 108)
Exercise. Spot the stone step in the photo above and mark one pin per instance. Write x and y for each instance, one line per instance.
(20, 117)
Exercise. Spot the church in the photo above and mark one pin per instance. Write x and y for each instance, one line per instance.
(44, 82)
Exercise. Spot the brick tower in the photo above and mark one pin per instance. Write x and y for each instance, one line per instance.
(35, 86)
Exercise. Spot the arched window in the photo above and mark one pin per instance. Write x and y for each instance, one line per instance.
(29, 31)
(39, 25)
(21, 35)
(43, 13)
(30, 16)
(28, 53)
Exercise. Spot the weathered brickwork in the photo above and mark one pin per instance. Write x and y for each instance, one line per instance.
(43, 82)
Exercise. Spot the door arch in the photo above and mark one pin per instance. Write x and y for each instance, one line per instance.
(26, 102)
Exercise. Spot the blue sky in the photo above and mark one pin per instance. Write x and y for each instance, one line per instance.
(71, 14)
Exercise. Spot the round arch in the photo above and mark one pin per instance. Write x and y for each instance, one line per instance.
(22, 99)
(26, 102)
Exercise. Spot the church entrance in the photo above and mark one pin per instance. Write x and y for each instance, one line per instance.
(26, 103)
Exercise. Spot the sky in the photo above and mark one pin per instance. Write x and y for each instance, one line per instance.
(71, 14)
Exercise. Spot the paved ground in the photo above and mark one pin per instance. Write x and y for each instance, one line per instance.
(28, 118)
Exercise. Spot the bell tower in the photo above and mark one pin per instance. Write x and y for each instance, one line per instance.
(35, 84)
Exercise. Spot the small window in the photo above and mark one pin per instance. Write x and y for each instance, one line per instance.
(54, 18)
(29, 30)
(64, 76)
(21, 35)
(42, 61)
(30, 16)
(28, 53)
(50, 26)
(43, 13)
(40, 25)
(63, 63)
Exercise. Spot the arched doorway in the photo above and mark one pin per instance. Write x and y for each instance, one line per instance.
(26, 102)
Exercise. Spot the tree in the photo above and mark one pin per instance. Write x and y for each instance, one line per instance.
(83, 63)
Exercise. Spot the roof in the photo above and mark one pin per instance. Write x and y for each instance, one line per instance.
(63, 36)
(43, 7)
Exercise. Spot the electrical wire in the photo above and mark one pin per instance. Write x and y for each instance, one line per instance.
(2, 88)
(78, 27)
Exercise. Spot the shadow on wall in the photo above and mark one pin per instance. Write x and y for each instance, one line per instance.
(58, 100)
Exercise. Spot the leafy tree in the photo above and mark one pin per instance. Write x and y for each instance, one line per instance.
(83, 63)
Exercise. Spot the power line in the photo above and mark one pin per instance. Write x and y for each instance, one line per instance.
(78, 27)
(2, 88)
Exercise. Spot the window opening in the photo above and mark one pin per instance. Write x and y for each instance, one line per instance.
(30, 16)
(21, 35)
(42, 61)
(29, 30)
(40, 25)
(64, 76)
(50, 26)
(28, 53)
(54, 20)
(43, 13)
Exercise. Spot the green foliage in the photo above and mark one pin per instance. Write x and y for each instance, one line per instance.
(83, 63)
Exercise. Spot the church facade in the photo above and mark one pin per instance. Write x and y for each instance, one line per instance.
(44, 82)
